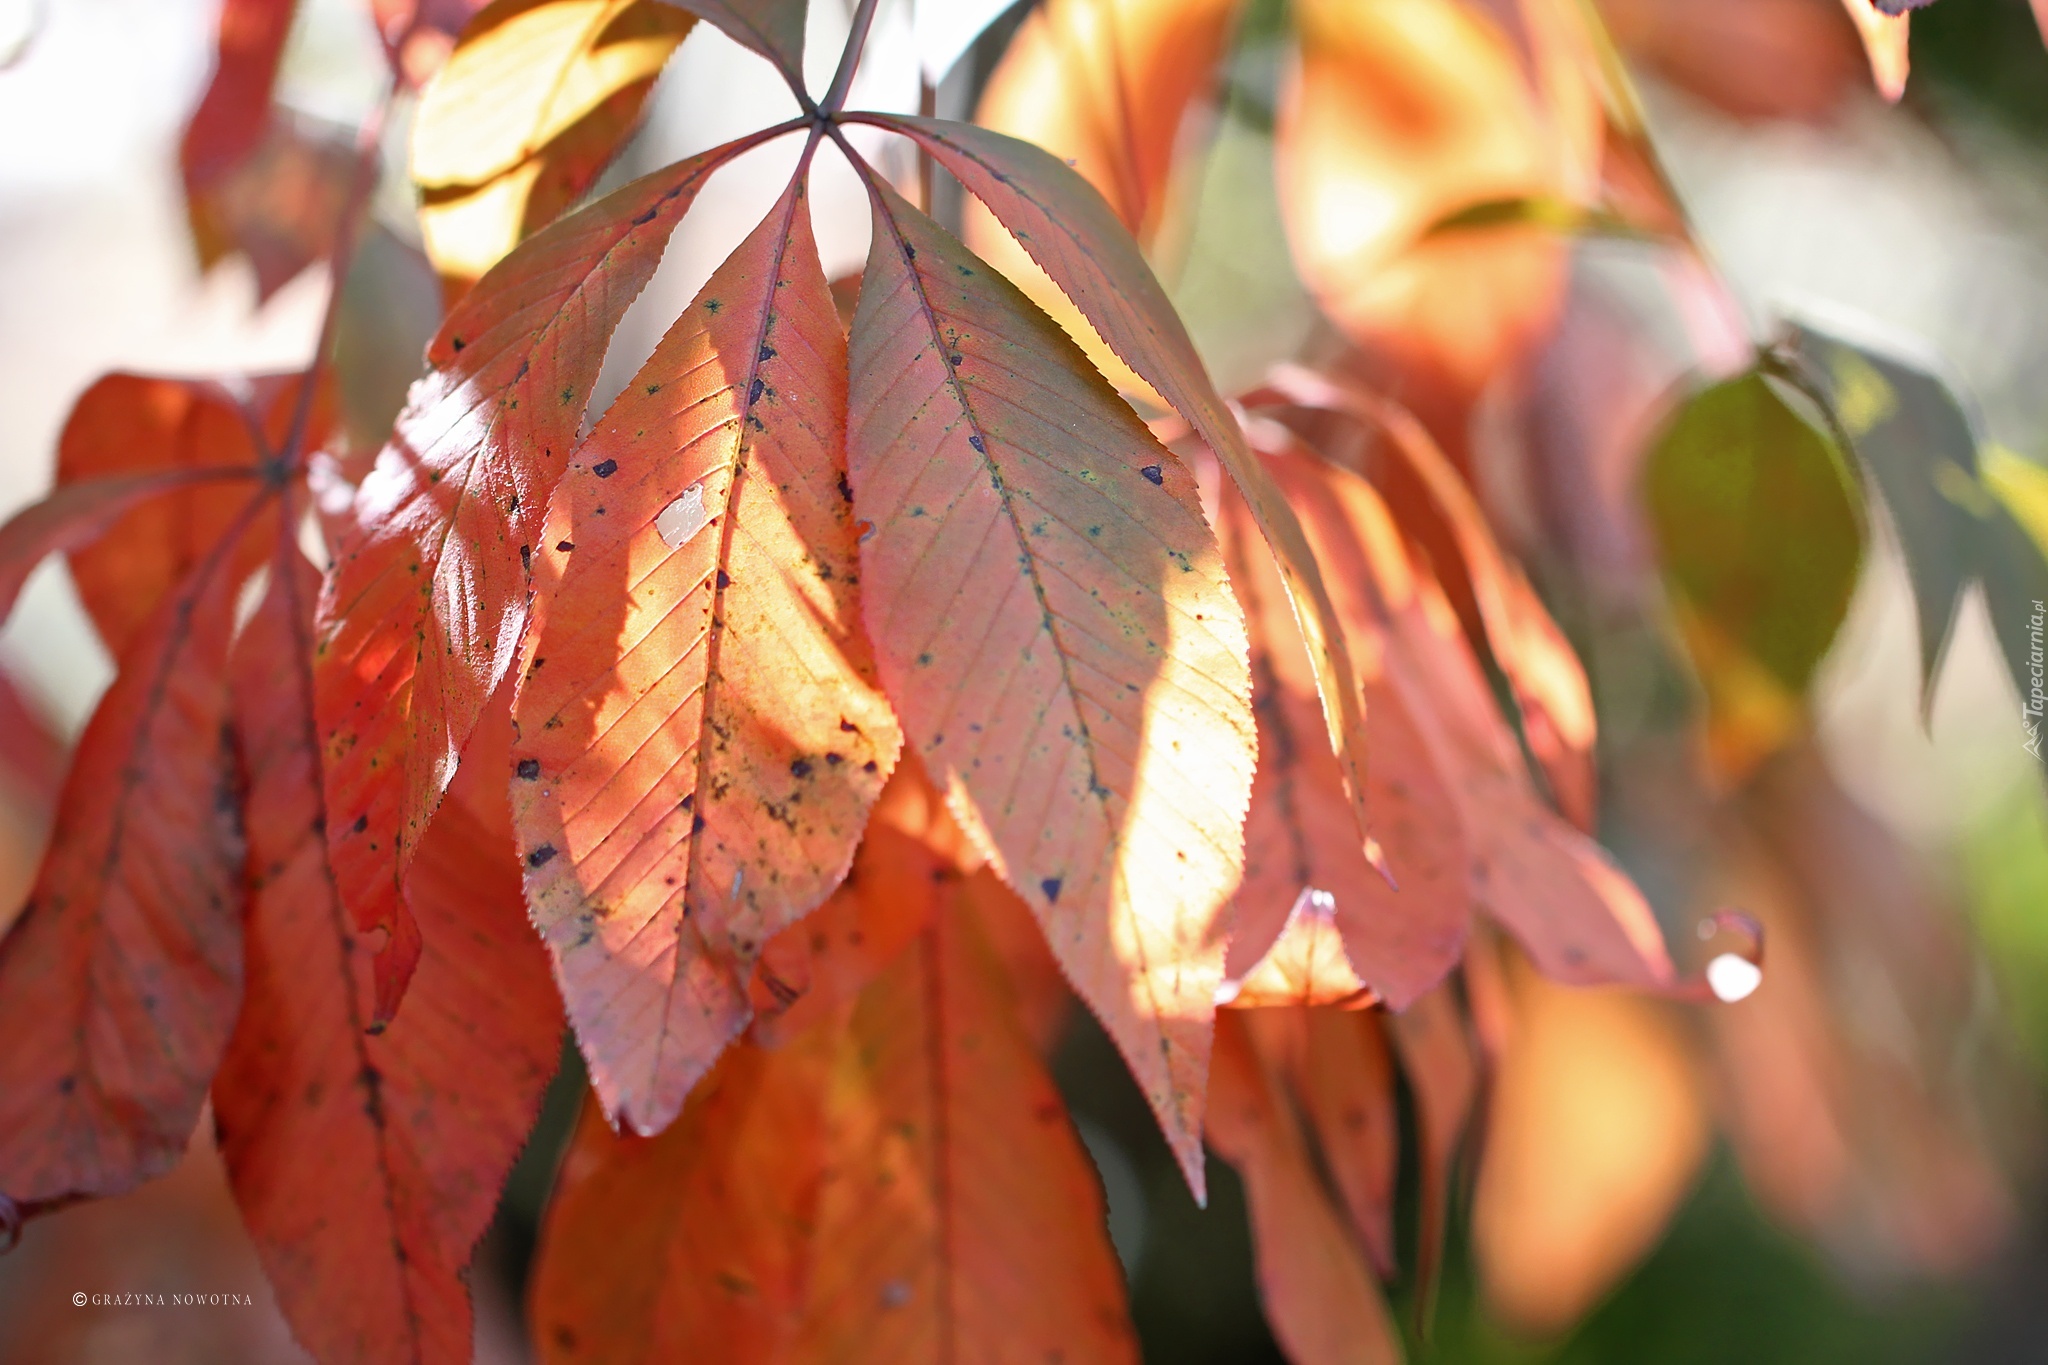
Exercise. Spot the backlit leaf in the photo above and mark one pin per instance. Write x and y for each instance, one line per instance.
(1051, 618)
(700, 736)
(536, 99)
(421, 614)
(119, 981)
(366, 1167)
(1885, 39)
(1760, 535)
(904, 1189)
(1073, 234)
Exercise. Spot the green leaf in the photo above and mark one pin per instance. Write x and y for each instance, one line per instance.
(1917, 441)
(1759, 528)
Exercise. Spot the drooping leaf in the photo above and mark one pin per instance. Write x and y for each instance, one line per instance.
(1075, 237)
(367, 1166)
(534, 102)
(421, 614)
(1919, 445)
(128, 424)
(1300, 836)
(1051, 619)
(1346, 1090)
(78, 514)
(700, 735)
(1320, 1297)
(231, 117)
(1760, 534)
(903, 1188)
(119, 981)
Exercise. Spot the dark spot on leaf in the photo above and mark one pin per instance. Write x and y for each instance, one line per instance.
(845, 489)
(526, 558)
(362, 823)
(754, 390)
(979, 444)
(1154, 475)
(767, 352)
(833, 760)
(869, 766)
(1051, 887)
(644, 219)
(724, 579)
(541, 856)
(800, 767)
(456, 343)
(653, 389)
(529, 768)
(696, 824)
(604, 469)
(565, 545)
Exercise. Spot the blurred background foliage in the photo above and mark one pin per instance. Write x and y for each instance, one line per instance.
(1846, 1167)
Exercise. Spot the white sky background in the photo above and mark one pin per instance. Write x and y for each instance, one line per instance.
(96, 273)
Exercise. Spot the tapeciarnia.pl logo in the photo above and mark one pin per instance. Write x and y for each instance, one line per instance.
(2036, 703)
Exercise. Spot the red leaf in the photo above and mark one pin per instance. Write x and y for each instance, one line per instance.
(79, 514)
(136, 424)
(1319, 1296)
(118, 983)
(235, 112)
(700, 734)
(421, 615)
(1052, 620)
(907, 1191)
(1077, 239)
(366, 1167)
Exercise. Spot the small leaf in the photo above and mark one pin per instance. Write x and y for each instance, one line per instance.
(1306, 965)
(119, 981)
(1884, 33)
(1919, 445)
(366, 1167)
(1057, 634)
(1760, 536)
(535, 101)
(1320, 1297)
(699, 717)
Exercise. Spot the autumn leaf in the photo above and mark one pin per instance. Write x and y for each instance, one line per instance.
(536, 99)
(1402, 936)
(1306, 965)
(119, 981)
(1884, 30)
(128, 424)
(423, 1121)
(902, 1186)
(1073, 234)
(1319, 1294)
(422, 613)
(700, 735)
(1051, 619)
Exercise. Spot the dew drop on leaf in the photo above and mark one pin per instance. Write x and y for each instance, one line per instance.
(1733, 977)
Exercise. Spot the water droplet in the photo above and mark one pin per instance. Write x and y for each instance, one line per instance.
(1733, 977)
(682, 519)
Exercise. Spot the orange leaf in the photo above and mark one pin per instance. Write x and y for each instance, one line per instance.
(1076, 238)
(1052, 620)
(700, 737)
(78, 514)
(907, 1190)
(119, 981)
(1399, 113)
(421, 615)
(1319, 1296)
(1306, 964)
(366, 1167)
(1346, 1089)
(1300, 835)
(134, 424)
